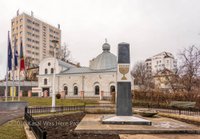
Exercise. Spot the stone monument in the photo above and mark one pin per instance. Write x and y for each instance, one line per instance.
(124, 104)
(124, 100)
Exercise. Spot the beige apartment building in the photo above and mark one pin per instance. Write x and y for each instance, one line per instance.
(36, 36)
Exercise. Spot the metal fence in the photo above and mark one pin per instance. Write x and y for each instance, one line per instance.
(34, 126)
(45, 110)
(189, 112)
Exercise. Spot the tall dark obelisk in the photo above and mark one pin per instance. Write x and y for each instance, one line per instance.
(124, 103)
(124, 99)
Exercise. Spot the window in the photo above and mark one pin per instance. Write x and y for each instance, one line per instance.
(45, 81)
(49, 64)
(52, 70)
(112, 88)
(28, 33)
(45, 71)
(29, 39)
(75, 90)
(29, 21)
(29, 27)
(66, 90)
(96, 90)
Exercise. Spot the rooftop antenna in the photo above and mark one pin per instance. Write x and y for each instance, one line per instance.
(17, 12)
(31, 13)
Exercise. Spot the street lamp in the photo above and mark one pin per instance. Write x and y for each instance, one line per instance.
(53, 84)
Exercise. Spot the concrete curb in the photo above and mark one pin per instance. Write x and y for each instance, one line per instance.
(29, 133)
(197, 132)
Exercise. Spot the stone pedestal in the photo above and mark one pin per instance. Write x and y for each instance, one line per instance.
(20, 93)
(82, 94)
(101, 95)
(129, 120)
(62, 94)
(29, 93)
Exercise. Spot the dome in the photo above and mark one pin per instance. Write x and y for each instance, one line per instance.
(105, 60)
(106, 47)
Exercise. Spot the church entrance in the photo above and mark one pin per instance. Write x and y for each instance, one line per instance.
(45, 92)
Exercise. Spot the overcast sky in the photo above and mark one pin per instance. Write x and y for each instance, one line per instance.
(150, 26)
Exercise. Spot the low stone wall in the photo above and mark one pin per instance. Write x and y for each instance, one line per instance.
(13, 105)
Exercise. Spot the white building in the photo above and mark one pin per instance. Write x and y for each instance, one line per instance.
(98, 80)
(159, 62)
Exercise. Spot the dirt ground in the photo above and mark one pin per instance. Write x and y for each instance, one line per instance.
(62, 127)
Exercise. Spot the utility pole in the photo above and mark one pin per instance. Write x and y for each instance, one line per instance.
(54, 73)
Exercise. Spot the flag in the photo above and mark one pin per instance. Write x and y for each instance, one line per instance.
(15, 55)
(9, 54)
(22, 66)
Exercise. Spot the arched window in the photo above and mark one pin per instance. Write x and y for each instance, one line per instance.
(97, 90)
(45, 81)
(66, 90)
(112, 88)
(52, 70)
(75, 90)
(45, 71)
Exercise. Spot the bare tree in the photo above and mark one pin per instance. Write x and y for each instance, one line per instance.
(190, 67)
(169, 78)
(64, 53)
(141, 76)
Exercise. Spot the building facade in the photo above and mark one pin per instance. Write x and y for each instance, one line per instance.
(36, 36)
(159, 62)
(97, 81)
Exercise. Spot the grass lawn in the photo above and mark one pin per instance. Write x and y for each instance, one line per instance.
(12, 130)
(39, 101)
(35, 101)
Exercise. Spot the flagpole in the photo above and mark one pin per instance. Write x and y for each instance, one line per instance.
(13, 81)
(6, 91)
(13, 70)
(19, 74)
(19, 85)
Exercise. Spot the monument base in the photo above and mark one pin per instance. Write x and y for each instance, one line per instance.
(129, 120)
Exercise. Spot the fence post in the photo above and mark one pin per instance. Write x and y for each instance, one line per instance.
(179, 111)
(84, 107)
(44, 135)
(61, 108)
(25, 110)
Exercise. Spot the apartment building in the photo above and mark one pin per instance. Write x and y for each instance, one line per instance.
(156, 63)
(36, 36)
